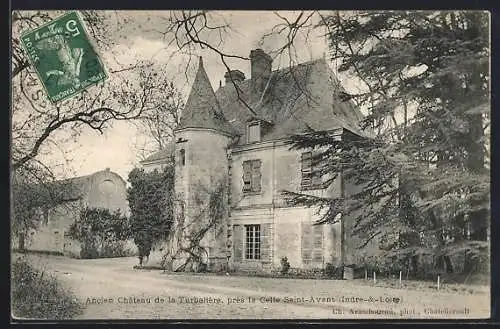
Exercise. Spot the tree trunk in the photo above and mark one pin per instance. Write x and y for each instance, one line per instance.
(475, 163)
(414, 265)
(448, 264)
(475, 158)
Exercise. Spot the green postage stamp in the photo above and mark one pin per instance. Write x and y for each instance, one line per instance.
(63, 57)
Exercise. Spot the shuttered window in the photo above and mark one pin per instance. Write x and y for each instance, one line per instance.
(306, 170)
(306, 243)
(253, 132)
(312, 244)
(310, 177)
(252, 242)
(252, 176)
(265, 245)
(238, 242)
(317, 253)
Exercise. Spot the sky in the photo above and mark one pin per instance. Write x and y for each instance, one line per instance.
(139, 38)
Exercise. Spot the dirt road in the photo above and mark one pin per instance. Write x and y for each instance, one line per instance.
(112, 289)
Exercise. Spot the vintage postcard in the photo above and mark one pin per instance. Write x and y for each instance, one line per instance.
(186, 165)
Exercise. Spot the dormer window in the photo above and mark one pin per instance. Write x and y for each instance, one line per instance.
(254, 131)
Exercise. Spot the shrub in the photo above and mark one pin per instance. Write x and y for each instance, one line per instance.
(306, 273)
(38, 295)
(100, 232)
(114, 249)
(333, 272)
(89, 252)
(285, 265)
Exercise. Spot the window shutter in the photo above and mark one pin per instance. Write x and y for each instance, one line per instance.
(256, 176)
(306, 242)
(265, 247)
(238, 242)
(317, 256)
(254, 132)
(247, 175)
(316, 176)
(306, 169)
(318, 236)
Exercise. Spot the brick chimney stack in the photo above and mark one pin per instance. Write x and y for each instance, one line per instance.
(261, 65)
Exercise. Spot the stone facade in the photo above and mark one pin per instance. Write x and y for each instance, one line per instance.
(103, 189)
(220, 140)
(284, 226)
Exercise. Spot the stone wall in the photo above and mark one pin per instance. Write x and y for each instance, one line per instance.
(107, 190)
(51, 234)
(286, 225)
(104, 189)
(205, 169)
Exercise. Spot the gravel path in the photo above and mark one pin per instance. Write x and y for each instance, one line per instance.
(112, 289)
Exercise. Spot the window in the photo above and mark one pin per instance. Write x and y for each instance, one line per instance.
(312, 243)
(108, 187)
(310, 179)
(182, 157)
(253, 132)
(251, 176)
(252, 245)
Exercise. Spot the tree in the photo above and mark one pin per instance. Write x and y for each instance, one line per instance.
(158, 123)
(38, 125)
(421, 165)
(101, 232)
(34, 191)
(150, 200)
(132, 92)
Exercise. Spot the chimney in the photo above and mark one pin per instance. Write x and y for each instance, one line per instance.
(261, 64)
(235, 75)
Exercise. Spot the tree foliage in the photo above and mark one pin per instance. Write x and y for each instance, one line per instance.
(158, 123)
(422, 164)
(133, 93)
(33, 191)
(150, 200)
(100, 231)
(37, 294)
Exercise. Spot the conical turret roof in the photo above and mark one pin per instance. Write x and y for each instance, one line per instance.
(202, 109)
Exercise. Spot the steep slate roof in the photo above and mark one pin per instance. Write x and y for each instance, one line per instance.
(162, 154)
(202, 108)
(297, 98)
